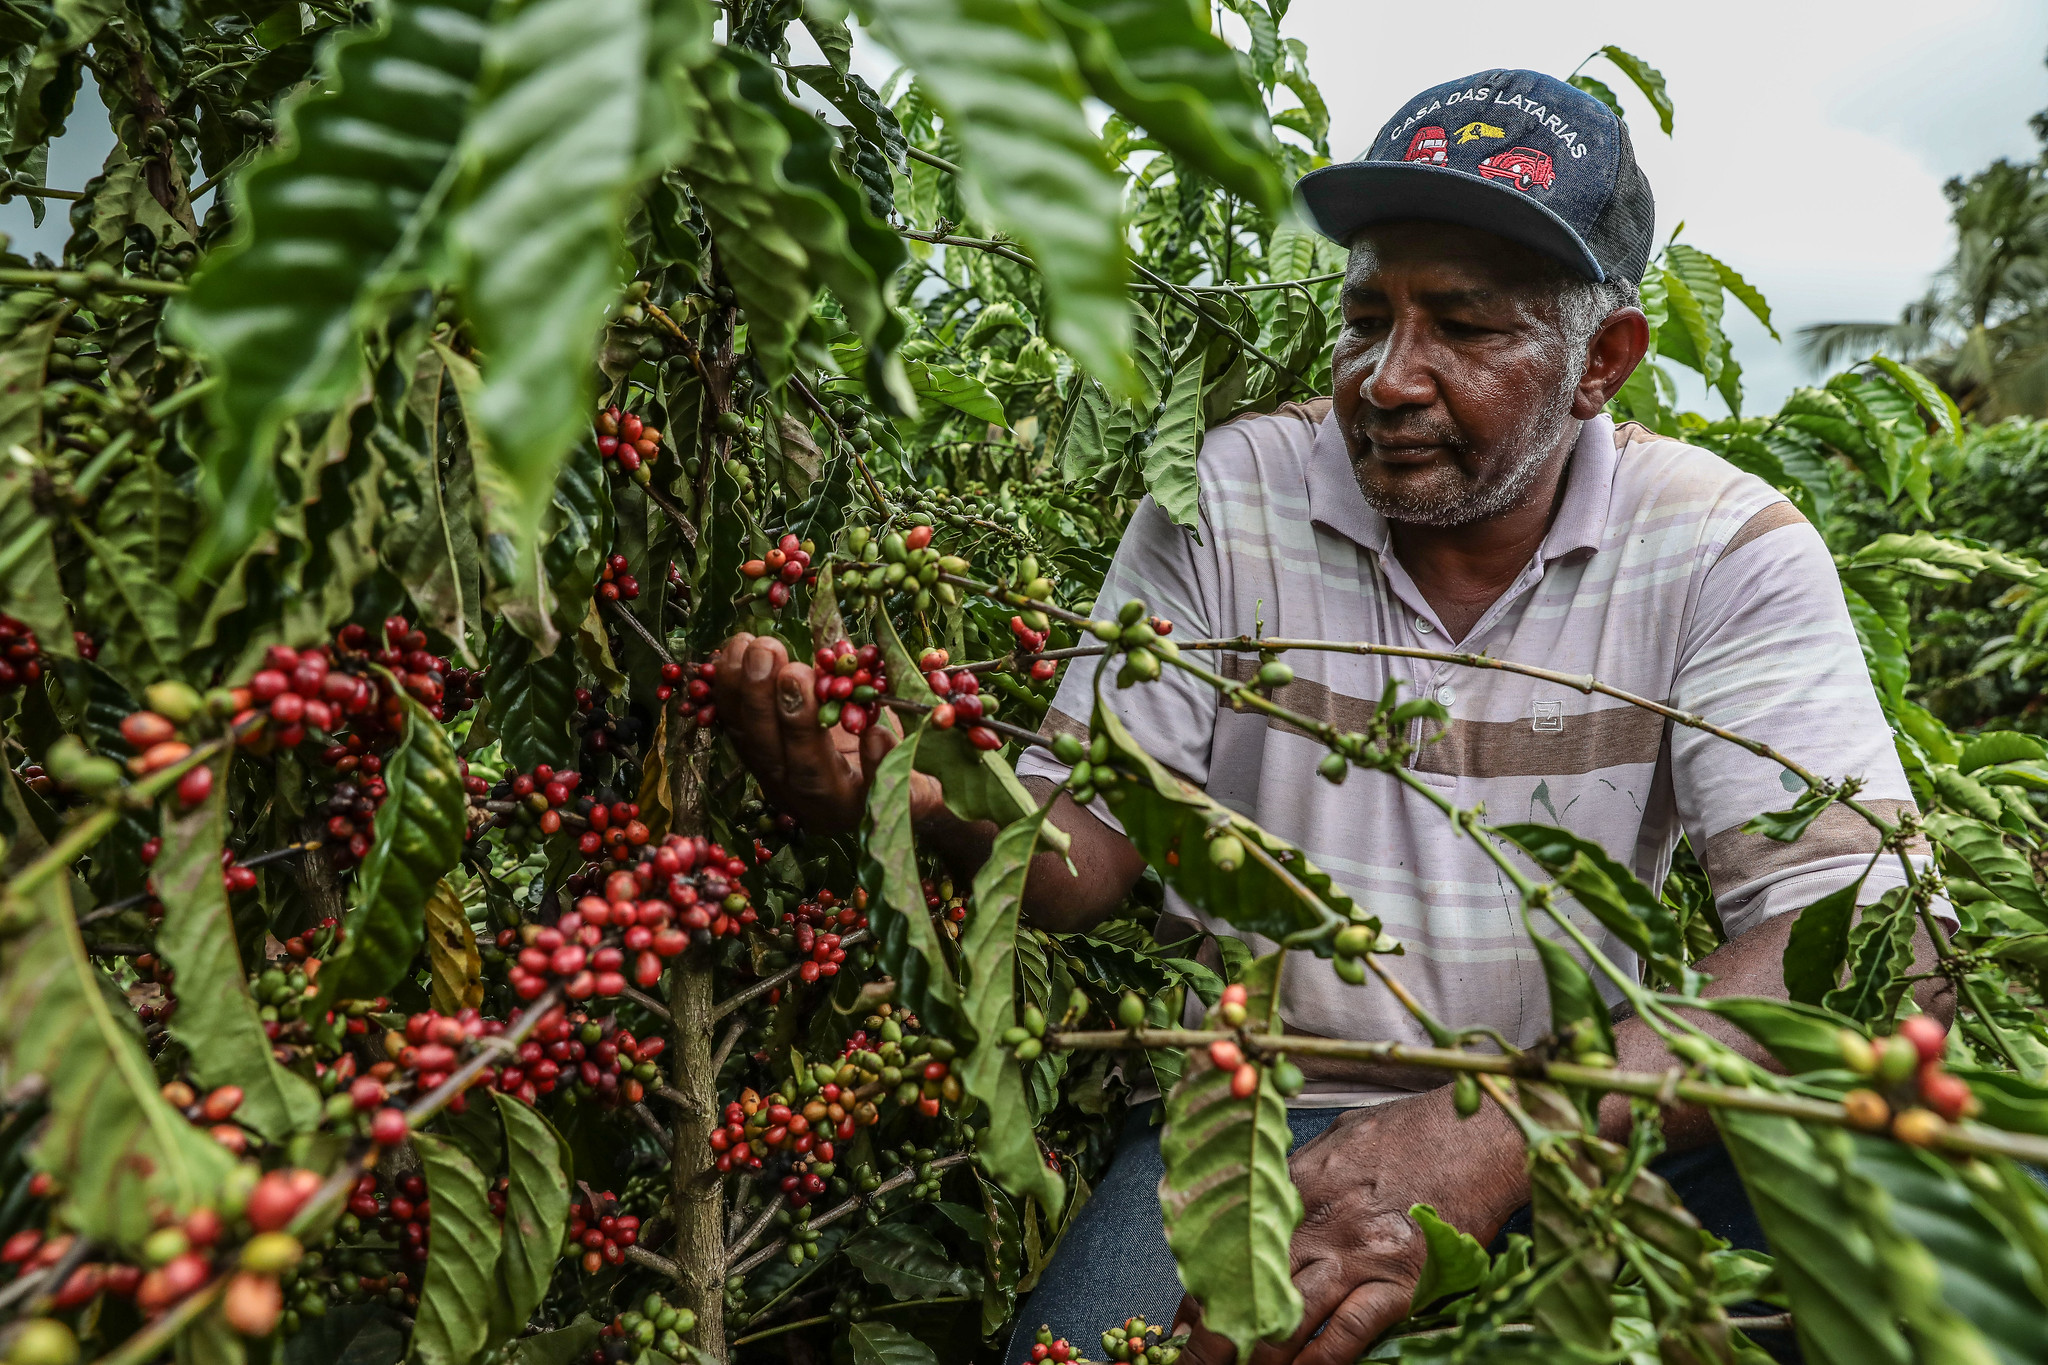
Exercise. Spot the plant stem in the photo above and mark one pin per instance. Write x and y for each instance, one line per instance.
(769, 983)
(40, 191)
(699, 1242)
(69, 280)
(1665, 1087)
(780, 1328)
(853, 1205)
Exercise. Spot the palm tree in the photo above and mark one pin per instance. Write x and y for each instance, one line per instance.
(1978, 331)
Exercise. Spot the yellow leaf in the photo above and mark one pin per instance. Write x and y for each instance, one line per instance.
(657, 810)
(456, 966)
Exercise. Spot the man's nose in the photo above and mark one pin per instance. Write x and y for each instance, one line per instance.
(1398, 375)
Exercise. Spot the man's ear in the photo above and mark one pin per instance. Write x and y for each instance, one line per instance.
(1611, 357)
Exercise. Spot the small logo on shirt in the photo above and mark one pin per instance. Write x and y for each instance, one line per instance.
(1549, 717)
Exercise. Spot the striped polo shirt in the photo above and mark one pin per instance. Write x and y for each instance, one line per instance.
(1666, 572)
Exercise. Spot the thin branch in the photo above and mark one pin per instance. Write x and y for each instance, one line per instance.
(920, 154)
(1955, 1137)
(855, 1204)
(769, 983)
(625, 613)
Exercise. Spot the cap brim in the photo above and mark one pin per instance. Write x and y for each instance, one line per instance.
(1342, 199)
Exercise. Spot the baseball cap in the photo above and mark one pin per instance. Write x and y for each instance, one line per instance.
(1516, 153)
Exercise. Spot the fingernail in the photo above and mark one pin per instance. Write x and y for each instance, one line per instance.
(760, 663)
(790, 697)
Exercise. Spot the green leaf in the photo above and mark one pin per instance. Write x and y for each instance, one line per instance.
(1952, 1277)
(909, 1263)
(988, 952)
(1169, 461)
(1277, 892)
(1157, 64)
(907, 942)
(549, 156)
(29, 588)
(216, 1018)
(428, 531)
(463, 1243)
(1980, 852)
(1630, 910)
(1826, 1259)
(1880, 953)
(1818, 943)
(29, 320)
(1932, 398)
(337, 220)
(1648, 79)
(1005, 80)
(1601, 91)
(2000, 746)
(1456, 1265)
(1574, 1304)
(563, 1346)
(931, 383)
(145, 638)
(1230, 1203)
(536, 1215)
(1804, 1037)
(415, 841)
(1573, 998)
(877, 1343)
(1787, 825)
(533, 701)
(112, 1143)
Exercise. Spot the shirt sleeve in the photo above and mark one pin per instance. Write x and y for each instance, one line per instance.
(1771, 654)
(1164, 566)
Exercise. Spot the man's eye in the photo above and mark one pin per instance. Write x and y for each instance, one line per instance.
(1366, 323)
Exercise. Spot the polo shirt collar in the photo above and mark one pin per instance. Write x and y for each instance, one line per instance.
(1335, 502)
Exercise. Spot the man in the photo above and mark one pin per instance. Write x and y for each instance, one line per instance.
(1462, 491)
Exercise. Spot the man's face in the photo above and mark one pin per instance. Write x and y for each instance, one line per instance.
(1454, 379)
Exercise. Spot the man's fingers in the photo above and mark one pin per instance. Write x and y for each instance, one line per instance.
(1323, 1284)
(1366, 1312)
(814, 770)
(875, 743)
(751, 720)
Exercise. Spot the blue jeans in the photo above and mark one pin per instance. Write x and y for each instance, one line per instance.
(1114, 1263)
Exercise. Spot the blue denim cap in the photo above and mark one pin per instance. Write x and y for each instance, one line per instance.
(1515, 153)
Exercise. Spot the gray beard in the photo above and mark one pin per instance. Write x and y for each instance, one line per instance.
(1457, 499)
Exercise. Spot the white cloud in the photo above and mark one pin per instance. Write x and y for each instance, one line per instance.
(1811, 140)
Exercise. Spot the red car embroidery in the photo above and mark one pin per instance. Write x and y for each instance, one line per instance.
(1428, 144)
(1523, 167)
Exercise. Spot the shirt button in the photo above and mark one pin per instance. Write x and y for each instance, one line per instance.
(1445, 695)
(1423, 627)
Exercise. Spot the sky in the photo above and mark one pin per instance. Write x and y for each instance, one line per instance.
(1809, 149)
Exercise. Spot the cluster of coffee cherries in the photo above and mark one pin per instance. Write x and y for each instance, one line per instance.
(1141, 1344)
(610, 1063)
(961, 702)
(29, 1250)
(596, 1225)
(1031, 641)
(21, 656)
(755, 1126)
(213, 1111)
(695, 703)
(622, 436)
(614, 583)
(788, 564)
(153, 734)
(655, 1326)
(848, 682)
(685, 890)
(352, 809)
(1047, 1347)
(444, 691)
(539, 799)
(407, 1208)
(941, 900)
(234, 877)
(1914, 1097)
(814, 929)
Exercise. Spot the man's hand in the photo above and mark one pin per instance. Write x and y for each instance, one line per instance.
(1357, 1253)
(816, 774)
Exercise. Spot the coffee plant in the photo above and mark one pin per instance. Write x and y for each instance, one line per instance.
(396, 961)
